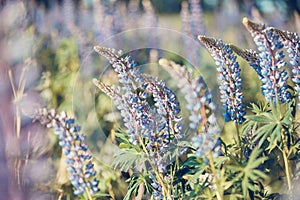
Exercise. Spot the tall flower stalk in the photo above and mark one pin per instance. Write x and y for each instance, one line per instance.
(273, 77)
(80, 166)
(203, 122)
(229, 77)
(151, 115)
(291, 42)
(271, 59)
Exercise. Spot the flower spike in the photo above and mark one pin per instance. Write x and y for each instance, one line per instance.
(79, 160)
(273, 77)
(203, 122)
(291, 42)
(150, 110)
(250, 56)
(229, 77)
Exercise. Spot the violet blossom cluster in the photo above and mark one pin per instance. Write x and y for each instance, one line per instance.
(82, 173)
(150, 110)
(273, 76)
(291, 42)
(229, 77)
(203, 122)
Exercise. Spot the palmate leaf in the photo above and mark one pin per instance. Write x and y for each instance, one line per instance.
(271, 125)
(257, 109)
(135, 182)
(263, 133)
(125, 159)
(252, 121)
(249, 174)
(262, 118)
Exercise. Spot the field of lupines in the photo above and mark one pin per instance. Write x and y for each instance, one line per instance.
(110, 100)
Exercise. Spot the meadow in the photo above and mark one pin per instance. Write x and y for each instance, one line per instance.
(122, 100)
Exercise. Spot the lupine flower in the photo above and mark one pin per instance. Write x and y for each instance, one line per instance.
(291, 42)
(191, 53)
(185, 18)
(229, 77)
(157, 188)
(78, 158)
(134, 111)
(150, 111)
(150, 20)
(274, 79)
(68, 8)
(251, 57)
(128, 74)
(159, 125)
(197, 18)
(199, 102)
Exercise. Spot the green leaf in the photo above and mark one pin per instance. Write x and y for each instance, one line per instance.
(132, 188)
(124, 146)
(275, 137)
(127, 158)
(122, 137)
(135, 181)
(263, 133)
(249, 174)
(263, 118)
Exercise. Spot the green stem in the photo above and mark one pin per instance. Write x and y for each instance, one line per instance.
(160, 180)
(237, 135)
(88, 194)
(238, 139)
(286, 163)
(219, 190)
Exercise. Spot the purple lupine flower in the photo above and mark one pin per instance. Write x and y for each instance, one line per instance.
(128, 74)
(157, 188)
(160, 125)
(134, 111)
(78, 158)
(150, 111)
(251, 57)
(203, 122)
(273, 77)
(197, 18)
(68, 11)
(291, 42)
(150, 20)
(190, 52)
(229, 77)
(168, 121)
(185, 18)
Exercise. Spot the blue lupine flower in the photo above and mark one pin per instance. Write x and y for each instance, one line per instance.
(128, 74)
(160, 125)
(203, 122)
(274, 79)
(197, 18)
(78, 158)
(291, 42)
(229, 77)
(135, 112)
(149, 109)
(157, 188)
(251, 57)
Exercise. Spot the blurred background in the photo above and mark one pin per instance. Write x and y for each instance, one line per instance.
(47, 60)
